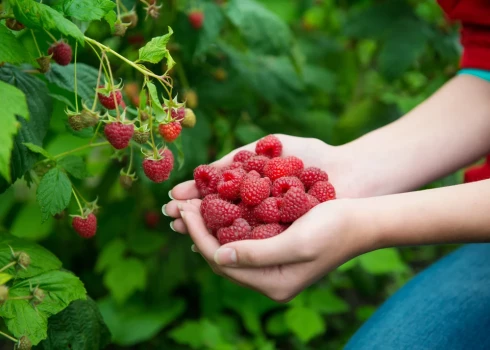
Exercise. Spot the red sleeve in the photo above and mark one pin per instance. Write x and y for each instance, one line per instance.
(474, 16)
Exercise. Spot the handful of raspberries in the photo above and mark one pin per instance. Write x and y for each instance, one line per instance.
(260, 194)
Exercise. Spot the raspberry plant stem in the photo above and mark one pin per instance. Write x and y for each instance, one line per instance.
(25, 297)
(35, 43)
(106, 74)
(10, 264)
(182, 76)
(76, 84)
(118, 118)
(9, 337)
(98, 82)
(64, 154)
(78, 201)
(51, 36)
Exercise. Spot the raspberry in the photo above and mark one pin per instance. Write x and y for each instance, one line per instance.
(238, 231)
(252, 175)
(276, 168)
(152, 218)
(242, 156)
(61, 52)
(205, 202)
(311, 175)
(233, 166)
(253, 191)
(256, 163)
(247, 212)
(207, 178)
(295, 203)
(85, 227)
(478, 172)
(189, 120)
(158, 170)
(312, 200)
(283, 184)
(323, 191)
(119, 134)
(268, 211)
(296, 165)
(141, 137)
(126, 181)
(177, 114)
(269, 146)
(220, 213)
(170, 131)
(13, 24)
(229, 184)
(76, 122)
(196, 19)
(108, 100)
(24, 343)
(4, 294)
(267, 231)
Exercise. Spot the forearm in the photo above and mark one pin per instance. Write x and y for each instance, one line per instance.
(454, 214)
(445, 133)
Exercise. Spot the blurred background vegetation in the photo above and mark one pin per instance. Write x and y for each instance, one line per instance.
(333, 70)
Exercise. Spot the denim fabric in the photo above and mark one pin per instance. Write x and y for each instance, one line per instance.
(446, 306)
(482, 74)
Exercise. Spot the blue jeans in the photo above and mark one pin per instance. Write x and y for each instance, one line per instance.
(447, 306)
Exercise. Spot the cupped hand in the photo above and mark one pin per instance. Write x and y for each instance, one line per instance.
(282, 266)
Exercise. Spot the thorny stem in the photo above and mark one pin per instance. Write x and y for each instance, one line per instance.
(75, 69)
(98, 82)
(10, 264)
(9, 337)
(78, 201)
(35, 43)
(112, 84)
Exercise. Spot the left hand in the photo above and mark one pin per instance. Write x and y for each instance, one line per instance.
(282, 266)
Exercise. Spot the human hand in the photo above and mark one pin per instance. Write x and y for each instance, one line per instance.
(282, 266)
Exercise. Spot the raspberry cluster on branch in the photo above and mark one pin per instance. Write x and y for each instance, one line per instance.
(260, 194)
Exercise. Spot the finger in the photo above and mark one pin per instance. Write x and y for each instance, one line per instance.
(185, 190)
(172, 208)
(178, 226)
(289, 247)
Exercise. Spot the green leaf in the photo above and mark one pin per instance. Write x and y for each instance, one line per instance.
(85, 10)
(75, 166)
(78, 327)
(261, 28)
(382, 261)
(198, 335)
(156, 105)
(305, 323)
(155, 50)
(111, 255)
(125, 278)
(39, 16)
(36, 149)
(42, 260)
(136, 322)
(325, 301)
(276, 325)
(145, 242)
(63, 76)
(27, 223)
(5, 277)
(53, 193)
(61, 288)
(17, 106)
(12, 49)
(33, 131)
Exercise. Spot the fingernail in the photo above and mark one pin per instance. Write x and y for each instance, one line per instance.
(182, 214)
(172, 226)
(164, 211)
(179, 205)
(225, 256)
(170, 194)
(194, 248)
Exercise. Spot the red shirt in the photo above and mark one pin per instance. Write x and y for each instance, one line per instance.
(474, 16)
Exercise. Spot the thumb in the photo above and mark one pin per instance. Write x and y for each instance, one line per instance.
(285, 248)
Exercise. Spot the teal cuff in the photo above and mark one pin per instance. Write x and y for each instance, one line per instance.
(480, 73)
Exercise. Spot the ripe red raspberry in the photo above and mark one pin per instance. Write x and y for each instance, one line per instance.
(312, 200)
(294, 204)
(256, 163)
(61, 52)
(311, 175)
(220, 213)
(205, 202)
(158, 170)
(253, 191)
(152, 218)
(233, 166)
(323, 191)
(268, 211)
(269, 146)
(283, 184)
(229, 184)
(119, 134)
(196, 19)
(108, 100)
(240, 230)
(242, 156)
(296, 165)
(85, 227)
(252, 175)
(247, 212)
(170, 131)
(207, 178)
(267, 231)
(478, 172)
(277, 168)
(178, 114)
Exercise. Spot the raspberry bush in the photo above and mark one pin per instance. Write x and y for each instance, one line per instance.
(107, 104)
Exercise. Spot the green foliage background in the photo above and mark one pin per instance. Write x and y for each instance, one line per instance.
(332, 70)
